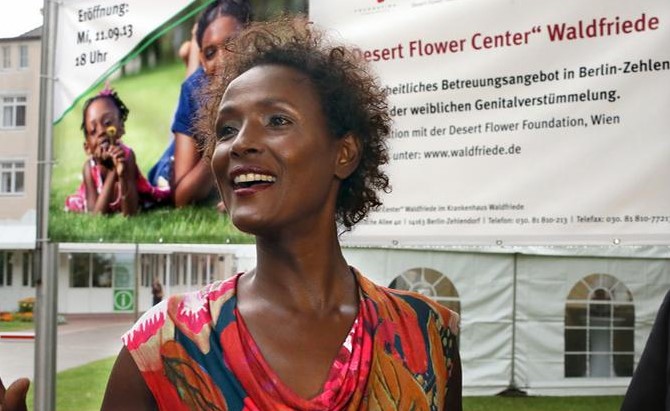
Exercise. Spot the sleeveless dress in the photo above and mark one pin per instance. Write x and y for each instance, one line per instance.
(195, 353)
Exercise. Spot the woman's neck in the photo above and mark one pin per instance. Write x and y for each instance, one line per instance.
(306, 273)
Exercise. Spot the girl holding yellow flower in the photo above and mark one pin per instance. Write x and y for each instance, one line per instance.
(112, 182)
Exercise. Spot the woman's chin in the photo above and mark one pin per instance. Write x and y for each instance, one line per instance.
(249, 224)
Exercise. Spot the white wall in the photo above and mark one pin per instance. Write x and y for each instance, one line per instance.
(10, 295)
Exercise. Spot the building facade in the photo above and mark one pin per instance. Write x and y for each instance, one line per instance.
(549, 323)
(19, 127)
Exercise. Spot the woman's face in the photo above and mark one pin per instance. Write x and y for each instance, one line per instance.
(275, 161)
(214, 38)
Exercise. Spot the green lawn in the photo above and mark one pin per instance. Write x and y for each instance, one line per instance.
(151, 97)
(542, 403)
(82, 388)
(15, 326)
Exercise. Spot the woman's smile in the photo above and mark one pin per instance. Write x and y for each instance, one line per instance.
(247, 181)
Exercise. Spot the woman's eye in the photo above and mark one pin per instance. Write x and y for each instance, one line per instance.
(278, 121)
(225, 132)
(210, 53)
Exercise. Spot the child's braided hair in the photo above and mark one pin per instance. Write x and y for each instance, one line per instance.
(111, 94)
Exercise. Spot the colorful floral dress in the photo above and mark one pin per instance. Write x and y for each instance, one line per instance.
(195, 353)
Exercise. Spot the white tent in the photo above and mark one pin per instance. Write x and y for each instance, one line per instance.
(513, 313)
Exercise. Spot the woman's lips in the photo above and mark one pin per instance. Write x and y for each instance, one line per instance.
(251, 190)
(250, 180)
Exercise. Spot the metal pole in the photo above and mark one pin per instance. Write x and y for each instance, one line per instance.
(46, 335)
(136, 285)
(47, 275)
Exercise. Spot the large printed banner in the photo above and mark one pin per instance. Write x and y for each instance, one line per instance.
(93, 36)
(115, 41)
(518, 122)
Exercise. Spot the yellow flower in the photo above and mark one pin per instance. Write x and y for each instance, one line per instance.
(111, 131)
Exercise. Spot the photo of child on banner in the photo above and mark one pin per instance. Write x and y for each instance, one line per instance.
(112, 182)
(176, 202)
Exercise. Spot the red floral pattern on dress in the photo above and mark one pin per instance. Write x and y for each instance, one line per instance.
(390, 359)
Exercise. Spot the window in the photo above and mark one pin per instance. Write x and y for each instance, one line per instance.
(27, 262)
(430, 283)
(185, 269)
(97, 269)
(179, 268)
(13, 111)
(80, 268)
(202, 268)
(153, 266)
(12, 174)
(599, 328)
(101, 273)
(124, 270)
(6, 269)
(23, 56)
(6, 57)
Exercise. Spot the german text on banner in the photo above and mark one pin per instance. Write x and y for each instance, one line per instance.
(518, 122)
(95, 35)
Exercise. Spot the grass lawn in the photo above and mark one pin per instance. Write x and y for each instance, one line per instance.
(16, 326)
(82, 388)
(542, 403)
(151, 97)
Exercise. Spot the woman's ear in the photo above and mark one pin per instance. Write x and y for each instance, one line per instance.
(348, 156)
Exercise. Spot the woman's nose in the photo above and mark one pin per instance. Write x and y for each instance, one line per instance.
(247, 141)
(100, 132)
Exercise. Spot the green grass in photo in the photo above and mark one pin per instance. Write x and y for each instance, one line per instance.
(196, 225)
(151, 96)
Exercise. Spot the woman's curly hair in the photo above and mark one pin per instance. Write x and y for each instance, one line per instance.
(351, 98)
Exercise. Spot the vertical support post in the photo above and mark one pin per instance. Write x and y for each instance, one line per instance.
(189, 273)
(512, 382)
(46, 329)
(168, 264)
(138, 269)
(46, 271)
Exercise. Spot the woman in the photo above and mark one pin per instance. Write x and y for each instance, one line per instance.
(181, 166)
(296, 136)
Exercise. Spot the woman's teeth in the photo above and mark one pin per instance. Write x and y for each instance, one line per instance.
(254, 178)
